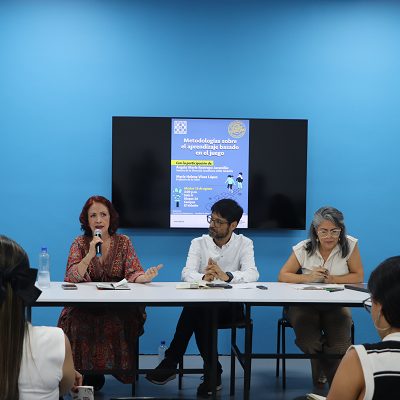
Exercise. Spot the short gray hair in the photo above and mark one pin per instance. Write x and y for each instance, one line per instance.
(336, 217)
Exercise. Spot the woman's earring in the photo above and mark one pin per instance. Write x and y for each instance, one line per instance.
(380, 329)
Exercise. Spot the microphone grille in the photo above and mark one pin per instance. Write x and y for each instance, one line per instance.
(98, 232)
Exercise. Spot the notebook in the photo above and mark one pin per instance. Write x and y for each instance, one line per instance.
(361, 287)
(121, 285)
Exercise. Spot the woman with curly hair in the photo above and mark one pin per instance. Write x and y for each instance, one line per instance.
(103, 337)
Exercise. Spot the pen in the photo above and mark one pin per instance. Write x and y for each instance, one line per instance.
(334, 290)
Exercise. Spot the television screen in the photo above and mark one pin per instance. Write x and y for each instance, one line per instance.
(168, 172)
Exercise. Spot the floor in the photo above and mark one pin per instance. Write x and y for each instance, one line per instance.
(264, 383)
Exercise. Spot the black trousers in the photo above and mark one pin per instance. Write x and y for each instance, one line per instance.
(193, 321)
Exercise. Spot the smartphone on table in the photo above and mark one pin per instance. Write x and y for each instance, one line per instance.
(219, 285)
(69, 286)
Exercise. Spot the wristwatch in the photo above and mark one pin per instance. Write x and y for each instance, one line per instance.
(230, 277)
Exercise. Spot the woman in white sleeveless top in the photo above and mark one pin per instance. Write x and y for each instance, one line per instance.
(372, 371)
(35, 362)
(328, 256)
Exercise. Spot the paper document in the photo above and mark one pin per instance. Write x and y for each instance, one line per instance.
(203, 285)
(187, 285)
(243, 286)
(312, 396)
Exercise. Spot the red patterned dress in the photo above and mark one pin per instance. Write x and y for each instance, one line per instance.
(103, 337)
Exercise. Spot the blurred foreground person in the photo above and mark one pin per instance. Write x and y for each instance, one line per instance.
(35, 361)
(372, 371)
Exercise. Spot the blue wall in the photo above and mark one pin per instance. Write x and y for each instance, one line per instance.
(66, 67)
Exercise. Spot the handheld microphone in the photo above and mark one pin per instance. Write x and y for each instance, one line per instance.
(98, 233)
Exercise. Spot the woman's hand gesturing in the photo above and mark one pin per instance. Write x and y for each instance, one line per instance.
(149, 275)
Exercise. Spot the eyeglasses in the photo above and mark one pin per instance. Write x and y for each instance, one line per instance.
(366, 306)
(324, 233)
(217, 222)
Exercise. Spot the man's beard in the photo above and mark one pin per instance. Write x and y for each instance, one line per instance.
(216, 235)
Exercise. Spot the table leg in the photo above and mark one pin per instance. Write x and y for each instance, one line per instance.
(247, 354)
(214, 345)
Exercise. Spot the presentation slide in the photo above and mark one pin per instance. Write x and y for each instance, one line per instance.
(209, 162)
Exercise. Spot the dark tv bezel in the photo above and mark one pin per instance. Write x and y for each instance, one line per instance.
(287, 216)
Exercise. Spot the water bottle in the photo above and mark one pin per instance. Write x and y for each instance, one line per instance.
(44, 269)
(161, 351)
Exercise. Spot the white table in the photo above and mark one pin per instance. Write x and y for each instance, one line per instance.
(151, 294)
(281, 294)
(164, 294)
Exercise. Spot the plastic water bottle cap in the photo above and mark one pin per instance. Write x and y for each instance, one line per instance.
(44, 248)
(162, 341)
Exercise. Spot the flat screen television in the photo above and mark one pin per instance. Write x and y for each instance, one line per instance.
(167, 172)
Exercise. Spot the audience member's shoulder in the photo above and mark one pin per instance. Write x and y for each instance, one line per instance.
(46, 331)
(384, 345)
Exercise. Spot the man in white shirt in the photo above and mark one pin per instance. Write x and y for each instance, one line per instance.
(223, 256)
